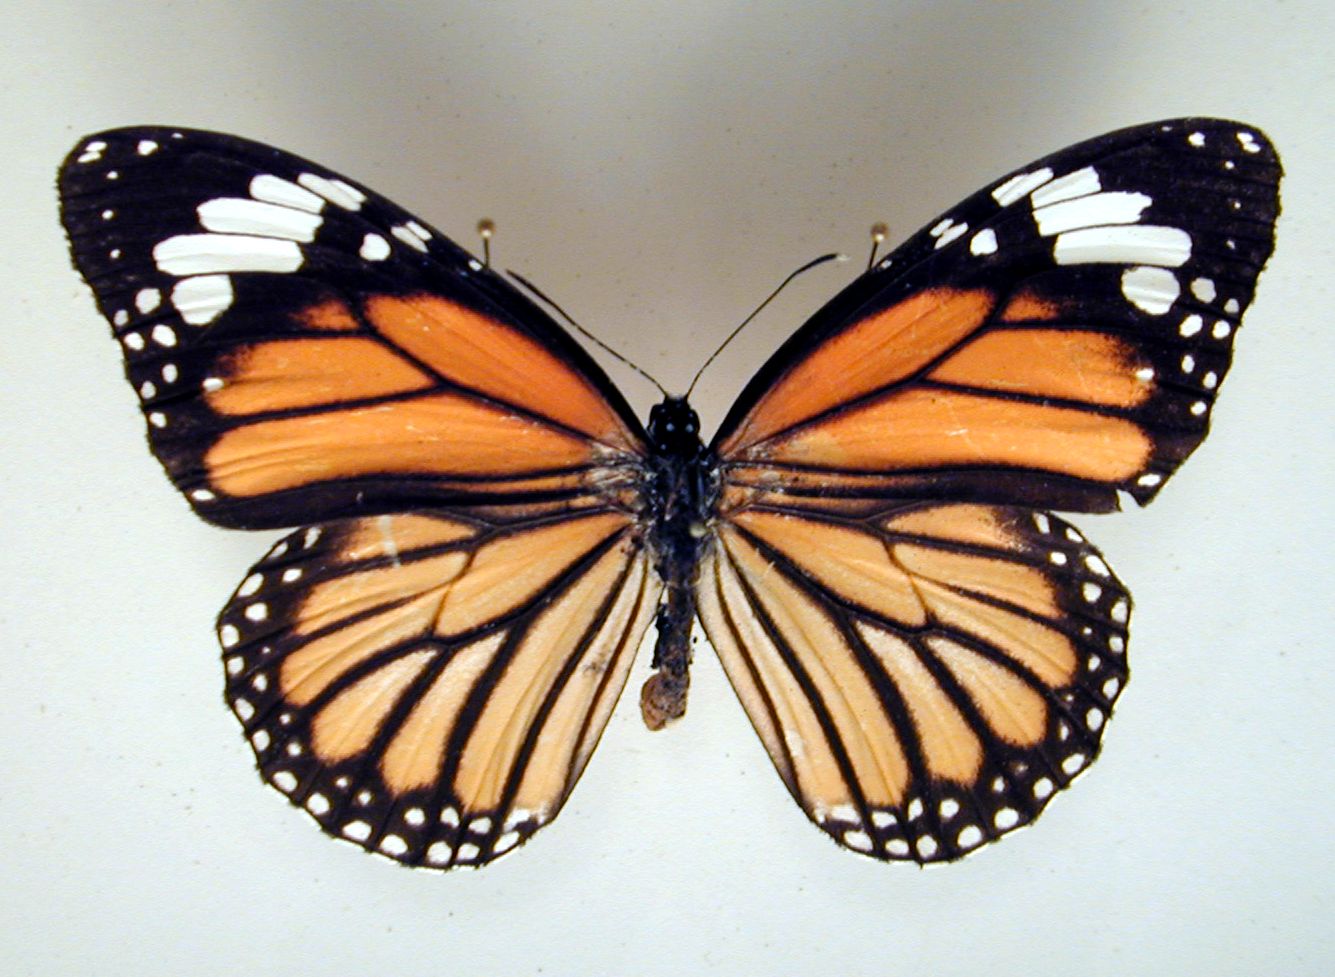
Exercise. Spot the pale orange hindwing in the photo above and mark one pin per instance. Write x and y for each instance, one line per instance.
(954, 378)
(924, 677)
(403, 385)
(431, 687)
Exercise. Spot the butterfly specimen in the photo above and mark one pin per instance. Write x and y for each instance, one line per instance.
(485, 531)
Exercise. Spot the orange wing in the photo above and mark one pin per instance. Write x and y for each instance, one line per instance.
(1054, 340)
(430, 687)
(927, 654)
(427, 667)
(304, 349)
(924, 677)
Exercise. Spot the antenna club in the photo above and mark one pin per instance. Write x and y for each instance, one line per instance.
(879, 232)
(486, 228)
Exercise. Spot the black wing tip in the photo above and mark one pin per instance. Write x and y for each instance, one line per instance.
(1244, 132)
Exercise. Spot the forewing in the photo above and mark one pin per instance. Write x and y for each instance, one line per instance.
(1056, 338)
(924, 677)
(305, 349)
(429, 686)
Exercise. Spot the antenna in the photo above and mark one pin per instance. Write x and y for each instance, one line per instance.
(485, 229)
(782, 285)
(584, 332)
(879, 233)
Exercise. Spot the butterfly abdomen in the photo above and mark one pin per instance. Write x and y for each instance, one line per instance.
(681, 493)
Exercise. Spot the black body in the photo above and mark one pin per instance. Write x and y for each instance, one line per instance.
(682, 491)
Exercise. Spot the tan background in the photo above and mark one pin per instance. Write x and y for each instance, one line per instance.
(657, 168)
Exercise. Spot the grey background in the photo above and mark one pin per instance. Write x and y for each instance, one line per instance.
(657, 168)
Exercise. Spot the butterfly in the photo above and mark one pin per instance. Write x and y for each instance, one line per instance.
(484, 530)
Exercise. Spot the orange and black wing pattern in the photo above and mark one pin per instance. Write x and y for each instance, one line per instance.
(427, 664)
(927, 653)
(1056, 339)
(430, 686)
(924, 676)
(303, 348)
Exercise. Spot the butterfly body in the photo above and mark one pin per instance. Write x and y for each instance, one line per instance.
(682, 495)
(480, 530)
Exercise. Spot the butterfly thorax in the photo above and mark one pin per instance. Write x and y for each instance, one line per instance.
(681, 492)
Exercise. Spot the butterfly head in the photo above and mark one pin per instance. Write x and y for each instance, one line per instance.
(674, 427)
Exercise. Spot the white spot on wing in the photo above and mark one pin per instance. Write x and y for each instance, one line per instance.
(1067, 187)
(405, 235)
(236, 215)
(147, 299)
(984, 242)
(202, 298)
(335, 191)
(438, 853)
(147, 147)
(374, 248)
(284, 193)
(1019, 185)
(857, 839)
(1166, 247)
(1152, 290)
(947, 231)
(204, 254)
(1094, 210)
(356, 830)
(92, 152)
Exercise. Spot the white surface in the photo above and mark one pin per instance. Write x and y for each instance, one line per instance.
(657, 168)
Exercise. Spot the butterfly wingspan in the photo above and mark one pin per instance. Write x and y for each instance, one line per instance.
(430, 686)
(303, 348)
(1055, 339)
(924, 677)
